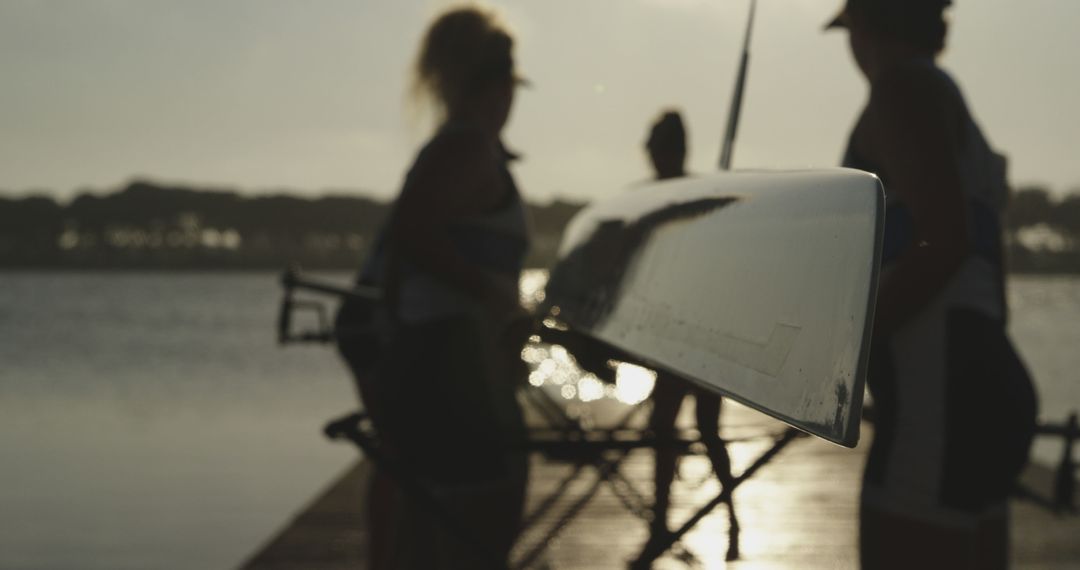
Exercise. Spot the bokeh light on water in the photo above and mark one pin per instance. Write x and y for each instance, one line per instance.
(553, 365)
(531, 287)
(633, 383)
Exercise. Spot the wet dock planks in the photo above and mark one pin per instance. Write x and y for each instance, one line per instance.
(799, 511)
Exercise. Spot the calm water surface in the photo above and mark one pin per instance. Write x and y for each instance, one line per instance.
(150, 420)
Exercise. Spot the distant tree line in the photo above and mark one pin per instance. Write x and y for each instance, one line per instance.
(147, 225)
(1043, 232)
(152, 226)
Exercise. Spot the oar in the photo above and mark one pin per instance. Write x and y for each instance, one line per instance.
(728, 148)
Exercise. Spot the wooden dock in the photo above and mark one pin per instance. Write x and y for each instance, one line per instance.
(797, 512)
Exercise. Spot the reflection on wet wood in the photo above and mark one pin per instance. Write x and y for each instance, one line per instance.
(797, 512)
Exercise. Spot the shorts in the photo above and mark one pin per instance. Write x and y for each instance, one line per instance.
(443, 406)
(955, 419)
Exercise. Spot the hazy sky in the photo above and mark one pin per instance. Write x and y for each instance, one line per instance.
(309, 95)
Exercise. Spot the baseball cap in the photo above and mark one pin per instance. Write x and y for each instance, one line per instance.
(883, 8)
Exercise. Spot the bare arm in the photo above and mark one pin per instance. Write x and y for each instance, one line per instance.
(915, 127)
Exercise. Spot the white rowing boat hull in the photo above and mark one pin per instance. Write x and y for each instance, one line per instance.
(758, 286)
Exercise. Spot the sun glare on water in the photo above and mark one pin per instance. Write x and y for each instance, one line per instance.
(553, 365)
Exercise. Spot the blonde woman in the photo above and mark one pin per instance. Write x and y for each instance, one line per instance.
(453, 251)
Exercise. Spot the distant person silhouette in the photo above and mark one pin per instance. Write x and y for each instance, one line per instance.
(955, 407)
(666, 147)
(449, 261)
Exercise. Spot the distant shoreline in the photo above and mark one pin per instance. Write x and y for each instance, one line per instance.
(146, 226)
(314, 269)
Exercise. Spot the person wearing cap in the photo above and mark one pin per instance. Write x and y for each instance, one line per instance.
(442, 393)
(955, 408)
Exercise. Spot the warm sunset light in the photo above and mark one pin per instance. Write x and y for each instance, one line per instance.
(558, 284)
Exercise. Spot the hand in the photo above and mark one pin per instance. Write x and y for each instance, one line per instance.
(590, 355)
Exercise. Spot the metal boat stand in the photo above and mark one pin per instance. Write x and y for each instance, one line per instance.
(605, 455)
(1062, 501)
(604, 450)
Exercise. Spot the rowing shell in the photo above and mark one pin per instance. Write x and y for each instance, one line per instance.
(757, 286)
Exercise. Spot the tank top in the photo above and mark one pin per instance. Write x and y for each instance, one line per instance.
(497, 241)
(979, 281)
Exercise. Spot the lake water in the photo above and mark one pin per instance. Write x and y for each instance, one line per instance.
(151, 421)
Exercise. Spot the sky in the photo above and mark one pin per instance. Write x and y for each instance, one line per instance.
(268, 95)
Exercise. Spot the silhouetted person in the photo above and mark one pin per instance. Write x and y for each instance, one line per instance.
(956, 409)
(442, 390)
(666, 146)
